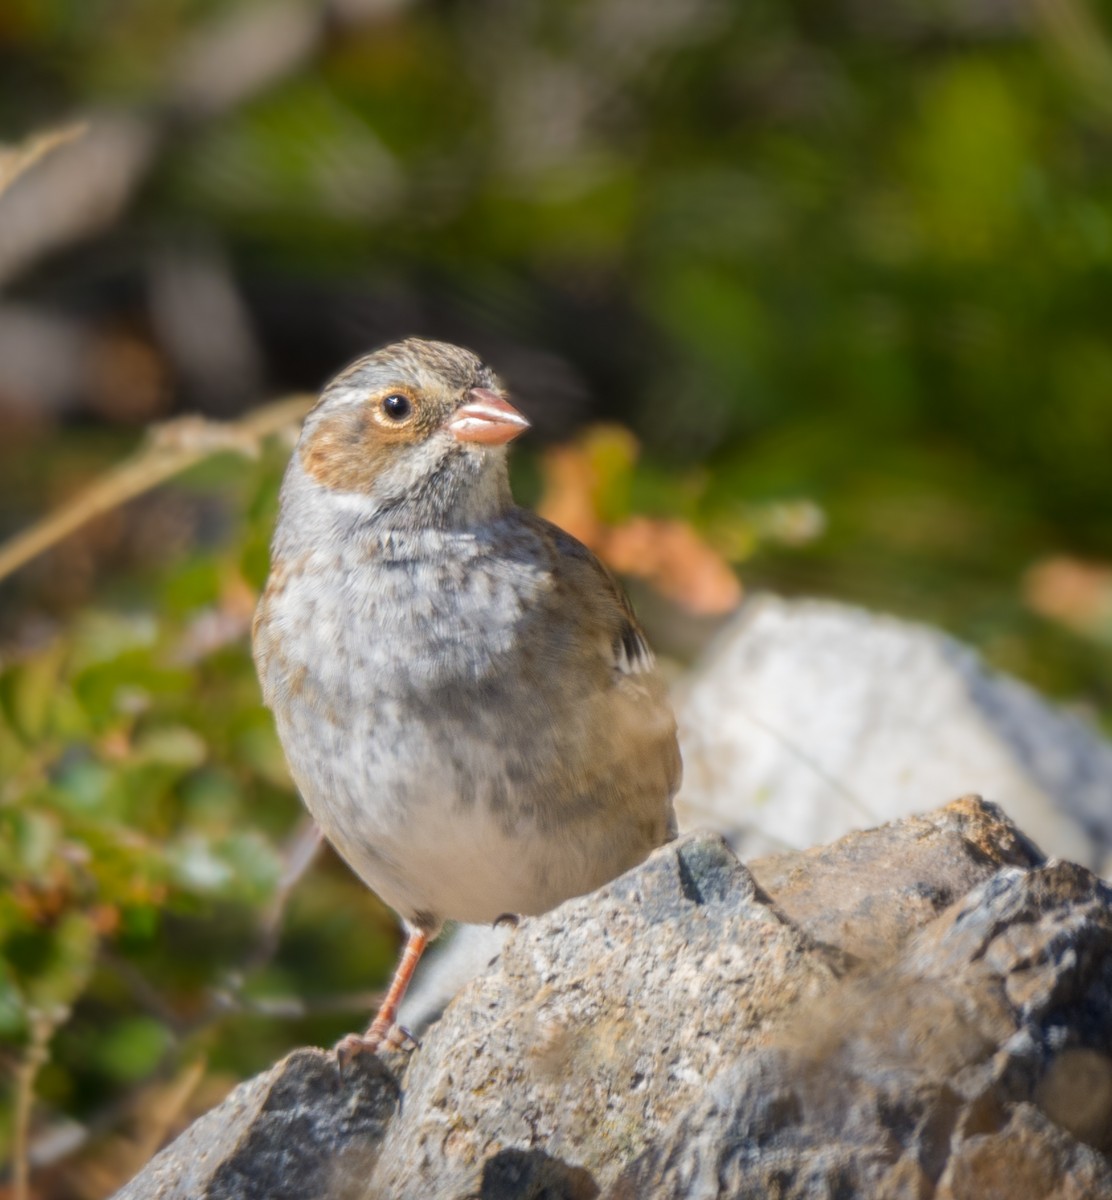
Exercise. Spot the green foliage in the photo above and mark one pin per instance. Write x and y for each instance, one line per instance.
(144, 817)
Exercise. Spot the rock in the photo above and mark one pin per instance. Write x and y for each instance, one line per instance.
(934, 1075)
(863, 894)
(920, 1010)
(290, 1133)
(807, 718)
(585, 1036)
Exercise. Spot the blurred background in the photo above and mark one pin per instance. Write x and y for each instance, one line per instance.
(810, 297)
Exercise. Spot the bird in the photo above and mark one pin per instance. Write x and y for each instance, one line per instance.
(465, 699)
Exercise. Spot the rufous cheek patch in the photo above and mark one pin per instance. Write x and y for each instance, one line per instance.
(348, 450)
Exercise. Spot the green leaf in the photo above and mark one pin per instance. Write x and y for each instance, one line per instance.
(172, 745)
(27, 691)
(132, 1048)
(969, 160)
(103, 636)
(34, 838)
(196, 866)
(256, 864)
(66, 967)
(13, 1007)
(86, 786)
(127, 685)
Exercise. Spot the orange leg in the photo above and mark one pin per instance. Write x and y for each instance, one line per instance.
(383, 1029)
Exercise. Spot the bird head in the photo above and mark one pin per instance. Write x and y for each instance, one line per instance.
(416, 425)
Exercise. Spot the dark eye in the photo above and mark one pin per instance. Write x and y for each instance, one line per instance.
(397, 407)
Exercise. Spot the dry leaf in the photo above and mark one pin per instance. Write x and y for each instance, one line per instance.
(671, 556)
(1070, 590)
(568, 497)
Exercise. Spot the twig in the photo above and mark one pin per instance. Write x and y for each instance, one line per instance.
(149, 997)
(170, 449)
(225, 1003)
(34, 1059)
(299, 854)
(796, 750)
(17, 160)
(1074, 31)
(163, 1110)
(152, 1105)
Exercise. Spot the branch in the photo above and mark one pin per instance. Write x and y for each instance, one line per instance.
(34, 1059)
(170, 449)
(16, 160)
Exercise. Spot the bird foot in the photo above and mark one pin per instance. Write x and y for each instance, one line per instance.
(513, 920)
(378, 1037)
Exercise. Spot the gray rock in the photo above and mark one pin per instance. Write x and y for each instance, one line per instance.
(922, 1010)
(592, 1030)
(965, 1068)
(291, 1133)
(864, 894)
(806, 719)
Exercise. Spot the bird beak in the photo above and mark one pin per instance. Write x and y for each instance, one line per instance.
(486, 419)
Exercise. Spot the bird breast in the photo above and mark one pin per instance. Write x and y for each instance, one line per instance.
(448, 732)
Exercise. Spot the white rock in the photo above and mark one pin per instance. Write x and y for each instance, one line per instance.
(807, 718)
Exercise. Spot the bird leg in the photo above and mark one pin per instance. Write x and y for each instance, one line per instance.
(384, 1030)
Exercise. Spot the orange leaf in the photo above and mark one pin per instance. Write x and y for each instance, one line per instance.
(670, 555)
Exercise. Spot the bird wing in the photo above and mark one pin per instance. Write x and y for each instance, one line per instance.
(603, 599)
(628, 698)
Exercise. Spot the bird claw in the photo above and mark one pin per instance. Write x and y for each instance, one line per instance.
(513, 920)
(400, 1038)
(393, 1037)
(347, 1048)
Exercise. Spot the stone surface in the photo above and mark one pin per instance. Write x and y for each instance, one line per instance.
(288, 1134)
(927, 1077)
(592, 1029)
(806, 719)
(864, 893)
(920, 1010)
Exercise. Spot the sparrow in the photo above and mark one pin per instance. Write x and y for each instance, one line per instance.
(465, 699)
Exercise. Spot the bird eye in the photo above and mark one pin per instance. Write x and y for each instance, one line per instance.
(397, 407)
